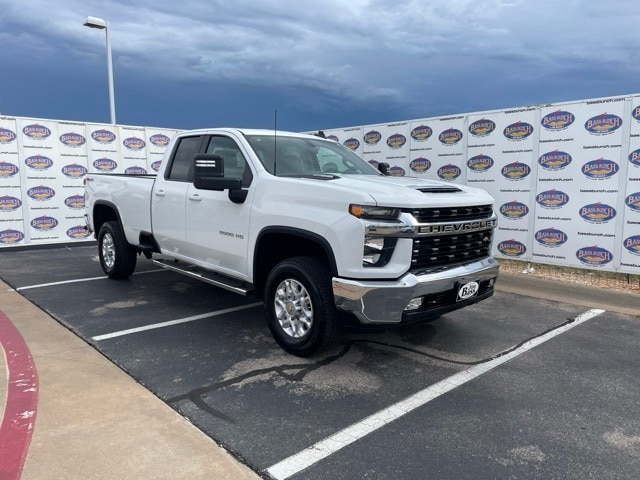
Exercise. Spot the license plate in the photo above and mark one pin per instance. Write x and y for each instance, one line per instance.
(467, 291)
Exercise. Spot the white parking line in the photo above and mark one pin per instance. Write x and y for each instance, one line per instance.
(77, 280)
(298, 462)
(129, 331)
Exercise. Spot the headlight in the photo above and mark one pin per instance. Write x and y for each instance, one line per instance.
(375, 213)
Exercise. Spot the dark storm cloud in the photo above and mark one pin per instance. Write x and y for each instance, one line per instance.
(329, 63)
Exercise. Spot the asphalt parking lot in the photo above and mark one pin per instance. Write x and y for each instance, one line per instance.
(513, 387)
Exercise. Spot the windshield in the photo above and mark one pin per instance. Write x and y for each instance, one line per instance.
(297, 156)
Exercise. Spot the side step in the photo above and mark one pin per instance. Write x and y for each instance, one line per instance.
(217, 279)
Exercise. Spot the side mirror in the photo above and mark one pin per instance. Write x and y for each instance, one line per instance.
(383, 168)
(208, 173)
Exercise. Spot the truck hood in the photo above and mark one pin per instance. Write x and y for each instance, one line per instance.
(412, 192)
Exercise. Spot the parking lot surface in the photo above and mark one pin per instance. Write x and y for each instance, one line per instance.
(513, 387)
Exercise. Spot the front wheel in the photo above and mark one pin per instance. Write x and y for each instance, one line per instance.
(117, 256)
(299, 306)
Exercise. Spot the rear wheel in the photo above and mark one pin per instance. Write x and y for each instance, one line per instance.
(299, 305)
(117, 256)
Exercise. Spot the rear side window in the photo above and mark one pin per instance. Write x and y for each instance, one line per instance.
(182, 165)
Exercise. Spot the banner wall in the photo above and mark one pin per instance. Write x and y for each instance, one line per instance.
(42, 169)
(565, 176)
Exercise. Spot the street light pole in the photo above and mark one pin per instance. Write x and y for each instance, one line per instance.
(101, 24)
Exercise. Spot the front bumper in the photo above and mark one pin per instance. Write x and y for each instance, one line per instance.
(384, 301)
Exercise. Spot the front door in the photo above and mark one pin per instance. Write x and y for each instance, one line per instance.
(217, 230)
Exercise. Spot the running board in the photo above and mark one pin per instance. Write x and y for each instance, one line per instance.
(217, 279)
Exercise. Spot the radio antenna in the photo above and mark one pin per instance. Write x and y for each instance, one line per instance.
(275, 136)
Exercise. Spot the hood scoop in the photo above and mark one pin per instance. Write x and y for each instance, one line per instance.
(439, 189)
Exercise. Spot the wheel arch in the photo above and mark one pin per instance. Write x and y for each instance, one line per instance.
(275, 244)
(104, 211)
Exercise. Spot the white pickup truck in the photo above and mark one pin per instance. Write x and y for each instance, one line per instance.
(305, 224)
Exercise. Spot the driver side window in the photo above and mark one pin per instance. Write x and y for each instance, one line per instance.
(235, 165)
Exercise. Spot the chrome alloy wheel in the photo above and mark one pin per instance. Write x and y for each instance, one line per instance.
(293, 308)
(108, 250)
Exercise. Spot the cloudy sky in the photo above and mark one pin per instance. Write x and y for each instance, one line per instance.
(320, 64)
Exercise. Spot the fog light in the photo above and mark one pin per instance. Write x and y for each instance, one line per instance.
(414, 304)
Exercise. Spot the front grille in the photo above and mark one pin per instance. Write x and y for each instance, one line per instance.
(431, 215)
(432, 253)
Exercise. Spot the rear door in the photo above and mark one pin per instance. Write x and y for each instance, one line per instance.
(168, 199)
(217, 230)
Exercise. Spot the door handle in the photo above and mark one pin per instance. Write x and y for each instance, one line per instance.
(159, 193)
(195, 197)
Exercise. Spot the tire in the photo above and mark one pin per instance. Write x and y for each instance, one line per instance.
(299, 306)
(117, 257)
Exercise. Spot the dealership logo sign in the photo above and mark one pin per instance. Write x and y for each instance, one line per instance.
(7, 136)
(603, 124)
(135, 171)
(372, 137)
(480, 163)
(352, 143)
(39, 163)
(9, 204)
(75, 202)
(594, 256)
(600, 169)
(159, 140)
(482, 128)
(450, 137)
(396, 141)
(420, 165)
(514, 210)
(44, 223)
(78, 232)
(512, 248)
(41, 193)
(555, 160)
(597, 213)
(103, 136)
(518, 131)
(449, 172)
(552, 199)
(516, 171)
(396, 171)
(558, 120)
(10, 237)
(74, 171)
(134, 143)
(36, 132)
(72, 139)
(633, 201)
(105, 165)
(421, 133)
(551, 237)
(632, 244)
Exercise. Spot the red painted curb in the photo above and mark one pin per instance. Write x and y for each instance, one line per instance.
(22, 401)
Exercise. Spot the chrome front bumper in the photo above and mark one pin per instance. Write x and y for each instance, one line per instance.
(384, 302)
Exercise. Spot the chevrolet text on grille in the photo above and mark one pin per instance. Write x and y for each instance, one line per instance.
(444, 228)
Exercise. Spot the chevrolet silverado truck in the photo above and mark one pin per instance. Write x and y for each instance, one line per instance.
(322, 237)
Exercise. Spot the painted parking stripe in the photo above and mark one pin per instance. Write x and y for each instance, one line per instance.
(304, 459)
(77, 280)
(21, 404)
(169, 323)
